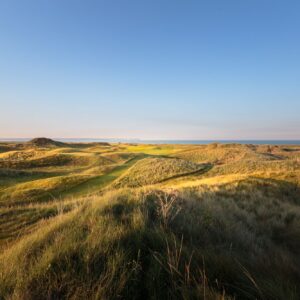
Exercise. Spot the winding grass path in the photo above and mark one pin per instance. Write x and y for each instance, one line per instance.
(97, 183)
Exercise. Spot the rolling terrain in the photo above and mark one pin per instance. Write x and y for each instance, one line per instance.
(132, 221)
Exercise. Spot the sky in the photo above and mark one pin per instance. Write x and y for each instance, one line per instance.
(150, 69)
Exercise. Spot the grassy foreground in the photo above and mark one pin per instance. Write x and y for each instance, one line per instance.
(124, 221)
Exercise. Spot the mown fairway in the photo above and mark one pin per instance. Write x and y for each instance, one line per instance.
(125, 221)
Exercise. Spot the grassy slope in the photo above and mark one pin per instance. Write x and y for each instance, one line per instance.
(226, 229)
(153, 170)
(128, 245)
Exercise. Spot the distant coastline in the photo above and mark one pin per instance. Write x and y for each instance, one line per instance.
(162, 141)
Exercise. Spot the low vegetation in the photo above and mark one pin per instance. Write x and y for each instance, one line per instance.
(149, 221)
(153, 170)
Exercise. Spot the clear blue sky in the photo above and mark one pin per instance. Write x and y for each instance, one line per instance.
(150, 69)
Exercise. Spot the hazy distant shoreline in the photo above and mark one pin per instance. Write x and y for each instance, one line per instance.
(141, 141)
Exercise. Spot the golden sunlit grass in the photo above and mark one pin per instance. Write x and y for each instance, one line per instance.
(121, 221)
(40, 189)
(154, 170)
(229, 153)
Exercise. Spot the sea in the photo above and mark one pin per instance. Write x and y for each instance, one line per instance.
(161, 141)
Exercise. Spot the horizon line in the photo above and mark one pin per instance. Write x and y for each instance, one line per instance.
(149, 139)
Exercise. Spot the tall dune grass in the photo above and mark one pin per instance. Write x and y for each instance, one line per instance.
(185, 244)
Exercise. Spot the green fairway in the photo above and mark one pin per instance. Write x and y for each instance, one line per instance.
(97, 183)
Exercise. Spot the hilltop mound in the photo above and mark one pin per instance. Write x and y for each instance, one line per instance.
(45, 142)
(153, 170)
